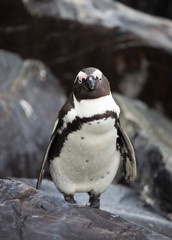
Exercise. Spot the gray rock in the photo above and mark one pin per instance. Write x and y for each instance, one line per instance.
(134, 50)
(30, 98)
(30, 214)
(151, 134)
(159, 7)
(119, 200)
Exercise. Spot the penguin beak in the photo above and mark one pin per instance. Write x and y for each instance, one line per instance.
(91, 83)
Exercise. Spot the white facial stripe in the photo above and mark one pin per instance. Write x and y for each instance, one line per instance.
(81, 75)
(97, 73)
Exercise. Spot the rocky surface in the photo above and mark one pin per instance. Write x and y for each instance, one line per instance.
(151, 134)
(30, 98)
(159, 7)
(30, 214)
(134, 50)
(120, 200)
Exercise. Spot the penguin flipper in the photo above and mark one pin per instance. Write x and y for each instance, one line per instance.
(41, 172)
(127, 154)
(45, 158)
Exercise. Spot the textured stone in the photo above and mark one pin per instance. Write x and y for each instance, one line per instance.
(30, 214)
(134, 50)
(159, 7)
(30, 98)
(120, 200)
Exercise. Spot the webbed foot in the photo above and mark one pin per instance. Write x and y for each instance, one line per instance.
(94, 200)
(70, 198)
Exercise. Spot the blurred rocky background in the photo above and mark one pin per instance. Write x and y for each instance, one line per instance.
(43, 45)
(158, 8)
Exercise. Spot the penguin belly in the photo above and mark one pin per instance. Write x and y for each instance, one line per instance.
(88, 160)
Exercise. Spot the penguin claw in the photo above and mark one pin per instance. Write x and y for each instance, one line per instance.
(88, 204)
(93, 205)
(94, 200)
(70, 198)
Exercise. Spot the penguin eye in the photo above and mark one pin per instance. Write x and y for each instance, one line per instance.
(79, 81)
(98, 78)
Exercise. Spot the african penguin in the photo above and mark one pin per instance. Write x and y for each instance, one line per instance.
(88, 141)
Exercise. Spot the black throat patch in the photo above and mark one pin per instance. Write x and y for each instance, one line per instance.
(74, 126)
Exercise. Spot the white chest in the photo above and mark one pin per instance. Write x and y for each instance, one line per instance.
(88, 160)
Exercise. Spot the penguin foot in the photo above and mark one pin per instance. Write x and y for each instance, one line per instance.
(70, 198)
(94, 200)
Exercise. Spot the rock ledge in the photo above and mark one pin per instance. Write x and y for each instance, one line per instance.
(30, 214)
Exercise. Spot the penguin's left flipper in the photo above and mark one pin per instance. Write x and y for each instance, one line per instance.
(127, 154)
(45, 158)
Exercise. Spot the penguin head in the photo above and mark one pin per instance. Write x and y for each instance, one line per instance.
(90, 83)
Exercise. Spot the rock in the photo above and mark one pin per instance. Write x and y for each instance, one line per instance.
(134, 50)
(159, 7)
(30, 98)
(30, 214)
(120, 200)
(151, 134)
